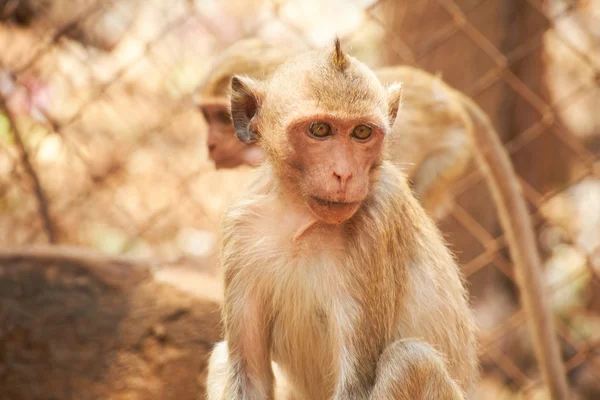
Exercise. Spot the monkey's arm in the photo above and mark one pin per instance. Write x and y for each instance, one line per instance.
(249, 375)
(435, 174)
(240, 367)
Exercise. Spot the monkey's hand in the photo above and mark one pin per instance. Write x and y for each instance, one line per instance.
(229, 378)
(240, 386)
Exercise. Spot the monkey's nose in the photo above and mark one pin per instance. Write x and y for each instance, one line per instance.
(342, 178)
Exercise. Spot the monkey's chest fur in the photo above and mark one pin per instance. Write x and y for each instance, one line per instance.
(302, 347)
(314, 308)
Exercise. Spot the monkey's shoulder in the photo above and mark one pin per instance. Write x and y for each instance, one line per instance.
(391, 197)
(250, 199)
(394, 212)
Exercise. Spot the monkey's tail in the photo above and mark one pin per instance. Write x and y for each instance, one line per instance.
(516, 222)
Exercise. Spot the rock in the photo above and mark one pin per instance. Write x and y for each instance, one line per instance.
(78, 325)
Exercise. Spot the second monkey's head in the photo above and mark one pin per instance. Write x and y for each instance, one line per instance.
(252, 58)
(321, 118)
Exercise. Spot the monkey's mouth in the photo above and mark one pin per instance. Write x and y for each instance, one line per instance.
(332, 212)
(328, 203)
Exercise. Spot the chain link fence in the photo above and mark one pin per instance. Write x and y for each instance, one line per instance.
(101, 144)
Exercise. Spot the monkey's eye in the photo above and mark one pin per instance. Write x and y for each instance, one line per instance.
(320, 129)
(362, 132)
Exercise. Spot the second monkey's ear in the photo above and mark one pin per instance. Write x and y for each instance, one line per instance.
(394, 101)
(246, 97)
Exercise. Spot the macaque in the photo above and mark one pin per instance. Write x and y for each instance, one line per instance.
(337, 283)
(432, 142)
(253, 58)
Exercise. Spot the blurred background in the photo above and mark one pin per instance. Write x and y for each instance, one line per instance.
(101, 146)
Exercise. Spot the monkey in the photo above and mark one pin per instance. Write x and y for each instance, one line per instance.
(333, 271)
(251, 57)
(433, 141)
(441, 156)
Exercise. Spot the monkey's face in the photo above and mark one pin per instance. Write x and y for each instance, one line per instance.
(224, 148)
(321, 118)
(331, 160)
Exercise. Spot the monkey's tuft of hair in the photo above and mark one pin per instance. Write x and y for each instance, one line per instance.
(340, 60)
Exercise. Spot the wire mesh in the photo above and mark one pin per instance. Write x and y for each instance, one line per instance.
(101, 144)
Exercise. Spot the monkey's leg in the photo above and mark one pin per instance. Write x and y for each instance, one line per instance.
(413, 370)
(434, 176)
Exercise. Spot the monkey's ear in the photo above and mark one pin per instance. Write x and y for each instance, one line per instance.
(394, 101)
(246, 97)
